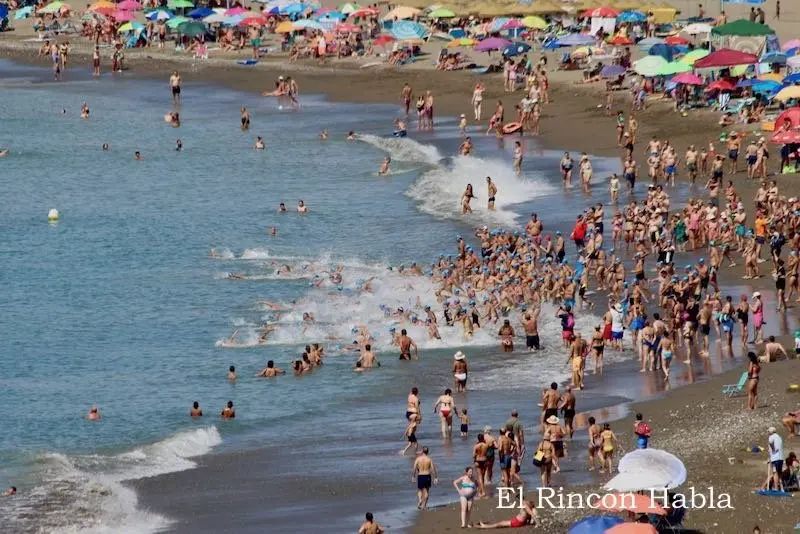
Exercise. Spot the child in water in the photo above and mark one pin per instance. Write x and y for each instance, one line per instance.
(464, 422)
(384, 170)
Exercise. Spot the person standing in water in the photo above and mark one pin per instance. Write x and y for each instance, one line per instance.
(245, 115)
(492, 191)
(460, 371)
(518, 157)
(466, 198)
(424, 471)
(406, 343)
(406, 95)
(384, 170)
(446, 406)
(175, 87)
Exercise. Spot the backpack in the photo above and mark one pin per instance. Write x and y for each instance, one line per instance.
(643, 429)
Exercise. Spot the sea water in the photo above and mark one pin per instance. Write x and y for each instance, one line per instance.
(119, 305)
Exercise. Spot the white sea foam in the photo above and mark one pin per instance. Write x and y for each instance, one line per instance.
(404, 149)
(439, 190)
(83, 494)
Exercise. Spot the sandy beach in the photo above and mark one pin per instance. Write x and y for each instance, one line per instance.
(709, 432)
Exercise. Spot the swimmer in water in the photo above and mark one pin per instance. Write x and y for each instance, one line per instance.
(273, 231)
(172, 118)
(260, 145)
(384, 170)
(466, 147)
(137, 156)
(84, 110)
(301, 207)
(351, 136)
(94, 414)
(323, 135)
(178, 145)
(229, 412)
(237, 276)
(195, 411)
(3, 152)
(270, 370)
(105, 147)
(232, 372)
(400, 128)
(282, 208)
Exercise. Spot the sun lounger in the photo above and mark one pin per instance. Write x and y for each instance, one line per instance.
(732, 389)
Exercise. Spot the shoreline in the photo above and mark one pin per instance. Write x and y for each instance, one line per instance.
(571, 115)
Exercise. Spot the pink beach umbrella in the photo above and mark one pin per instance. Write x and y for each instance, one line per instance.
(513, 24)
(235, 11)
(123, 16)
(129, 5)
(794, 43)
(687, 78)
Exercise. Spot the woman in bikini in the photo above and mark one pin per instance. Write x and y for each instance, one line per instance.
(525, 517)
(609, 439)
(467, 489)
(595, 443)
(753, 370)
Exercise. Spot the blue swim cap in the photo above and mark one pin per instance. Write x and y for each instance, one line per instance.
(701, 260)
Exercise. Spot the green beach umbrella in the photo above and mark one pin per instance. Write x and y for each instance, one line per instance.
(694, 55)
(674, 67)
(649, 65)
(179, 4)
(176, 21)
(53, 7)
(192, 29)
(441, 13)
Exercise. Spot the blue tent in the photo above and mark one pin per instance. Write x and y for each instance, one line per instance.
(663, 50)
(597, 524)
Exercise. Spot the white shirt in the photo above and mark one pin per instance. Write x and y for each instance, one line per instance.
(776, 448)
(616, 321)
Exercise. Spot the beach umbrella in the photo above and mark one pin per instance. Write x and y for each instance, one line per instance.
(232, 12)
(576, 39)
(786, 137)
(179, 4)
(23, 13)
(293, 9)
(694, 55)
(632, 16)
(612, 71)
(687, 78)
(788, 93)
(726, 57)
(308, 24)
(772, 77)
(200, 13)
(596, 524)
(123, 16)
(383, 40)
(441, 13)
(649, 65)
(698, 28)
(534, 22)
(648, 43)
(602, 12)
(723, 86)
(492, 43)
(793, 62)
(54, 7)
(216, 18)
(461, 41)
(159, 14)
(663, 50)
(129, 5)
(788, 45)
(620, 40)
(406, 29)
(192, 28)
(348, 8)
(257, 22)
(766, 86)
(792, 78)
(512, 24)
(102, 4)
(402, 13)
(284, 27)
(332, 16)
(346, 27)
(632, 528)
(516, 49)
(648, 469)
(790, 117)
(176, 21)
(130, 27)
(631, 502)
(674, 67)
(363, 13)
(676, 40)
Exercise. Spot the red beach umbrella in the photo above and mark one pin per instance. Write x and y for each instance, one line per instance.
(604, 12)
(786, 137)
(123, 16)
(721, 85)
(676, 40)
(619, 40)
(383, 40)
(253, 21)
(363, 12)
(791, 115)
(726, 57)
(346, 27)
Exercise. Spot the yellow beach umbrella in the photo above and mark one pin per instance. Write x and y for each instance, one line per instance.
(285, 27)
(401, 13)
(102, 4)
(532, 21)
(771, 76)
(463, 41)
(787, 93)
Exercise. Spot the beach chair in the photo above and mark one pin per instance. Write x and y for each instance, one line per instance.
(732, 389)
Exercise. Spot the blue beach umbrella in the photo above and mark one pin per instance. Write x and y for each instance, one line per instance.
(159, 14)
(792, 78)
(663, 50)
(308, 24)
(632, 16)
(596, 524)
(516, 49)
(332, 15)
(23, 13)
(200, 13)
(406, 29)
(648, 43)
(766, 86)
(774, 57)
(576, 39)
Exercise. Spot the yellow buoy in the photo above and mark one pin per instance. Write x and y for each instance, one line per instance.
(53, 215)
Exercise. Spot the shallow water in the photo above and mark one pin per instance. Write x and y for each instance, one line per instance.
(119, 304)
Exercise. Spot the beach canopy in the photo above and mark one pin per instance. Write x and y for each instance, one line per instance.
(631, 502)
(632, 528)
(576, 39)
(687, 78)
(648, 469)
(726, 57)
(534, 22)
(406, 29)
(692, 57)
(742, 28)
(596, 524)
(698, 28)
(402, 13)
(612, 71)
(788, 93)
(492, 43)
(649, 65)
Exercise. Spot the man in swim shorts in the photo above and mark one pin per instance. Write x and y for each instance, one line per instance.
(175, 86)
(425, 473)
(492, 191)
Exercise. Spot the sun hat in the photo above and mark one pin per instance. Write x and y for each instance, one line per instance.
(757, 294)
(458, 355)
(552, 420)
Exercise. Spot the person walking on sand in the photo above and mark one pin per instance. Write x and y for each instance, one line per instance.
(466, 488)
(370, 526)
(175, 86)
(424, 472)
(479, 452)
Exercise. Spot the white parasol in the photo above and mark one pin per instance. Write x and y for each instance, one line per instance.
(648, 469)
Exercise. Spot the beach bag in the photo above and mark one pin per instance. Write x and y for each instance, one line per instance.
(643, 429)
(538, 458)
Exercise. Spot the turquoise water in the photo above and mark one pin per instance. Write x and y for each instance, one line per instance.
(119, 304)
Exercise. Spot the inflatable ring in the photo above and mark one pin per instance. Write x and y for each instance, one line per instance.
(512, 127)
